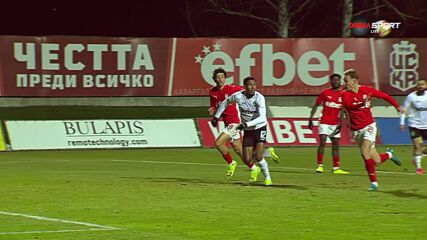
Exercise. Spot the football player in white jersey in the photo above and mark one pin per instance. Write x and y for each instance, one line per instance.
(254, 123)
(231, 117)
(415, 107)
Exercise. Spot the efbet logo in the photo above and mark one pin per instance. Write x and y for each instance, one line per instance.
(404, 64)
(307, 67)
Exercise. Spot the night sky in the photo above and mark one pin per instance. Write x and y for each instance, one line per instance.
(189, 18)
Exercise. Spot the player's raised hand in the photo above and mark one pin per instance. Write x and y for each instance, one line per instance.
(214, 122)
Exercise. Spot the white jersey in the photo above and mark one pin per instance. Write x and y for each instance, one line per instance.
(416, 108)
(252, 110)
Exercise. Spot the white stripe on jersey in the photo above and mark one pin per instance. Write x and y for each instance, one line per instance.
(416, 107)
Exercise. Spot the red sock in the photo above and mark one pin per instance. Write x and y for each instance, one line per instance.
(336, 160)
(320, 158)
(370, 168)
(384, 157)
(250, 165)
(227, 157)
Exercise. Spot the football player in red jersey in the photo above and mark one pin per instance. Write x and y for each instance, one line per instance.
(231, 120)
(357, 100)
(329, 125)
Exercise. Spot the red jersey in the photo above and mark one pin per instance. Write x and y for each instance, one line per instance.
(361, 115)
(332, 104)
(231, 114)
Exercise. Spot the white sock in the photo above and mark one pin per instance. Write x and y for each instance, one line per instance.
(374, 183)
(266, 153)
(417, 161)
(253, 167)
(389, 154)
(264, 168)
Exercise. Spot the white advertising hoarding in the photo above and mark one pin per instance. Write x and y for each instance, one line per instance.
(79, 134)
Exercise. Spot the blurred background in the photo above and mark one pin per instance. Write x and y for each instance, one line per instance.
(207, 18)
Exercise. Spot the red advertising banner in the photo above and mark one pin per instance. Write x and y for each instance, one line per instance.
(58, 66)
(280, 132)
(400, 63)
(281, 66)
(83, 66)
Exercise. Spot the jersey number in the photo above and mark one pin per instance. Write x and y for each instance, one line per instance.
(263, 135)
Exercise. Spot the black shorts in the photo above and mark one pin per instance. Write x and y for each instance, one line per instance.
(252, 137)
(416, 132)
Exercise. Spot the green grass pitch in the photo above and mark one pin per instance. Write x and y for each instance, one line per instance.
(182, 194)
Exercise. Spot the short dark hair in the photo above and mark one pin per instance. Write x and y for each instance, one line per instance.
(351, 73)
(218, 70)
(334, 75)
(247, 79)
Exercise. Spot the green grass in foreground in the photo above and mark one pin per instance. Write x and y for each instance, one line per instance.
(151, 194)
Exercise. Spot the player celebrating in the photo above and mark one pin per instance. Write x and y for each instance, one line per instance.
(231, 119)
(415, 106)
(357, 100)
(329, 123)
(254, 123)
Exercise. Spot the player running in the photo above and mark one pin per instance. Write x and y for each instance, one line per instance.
(254, 123)
(231, 119)
(357, 100)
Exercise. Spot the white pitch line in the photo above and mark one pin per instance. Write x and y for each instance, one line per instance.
(160, 162)
(59, 220)
(55, 231)
(216, 164)
(29, 161)
(211, 164)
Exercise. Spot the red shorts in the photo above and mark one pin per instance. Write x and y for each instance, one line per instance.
(229, 119)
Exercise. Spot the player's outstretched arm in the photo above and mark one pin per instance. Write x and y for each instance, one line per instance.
(380, 94)
(223, 105)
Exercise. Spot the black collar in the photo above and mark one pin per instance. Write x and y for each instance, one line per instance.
(248, 97)
(422, 94)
